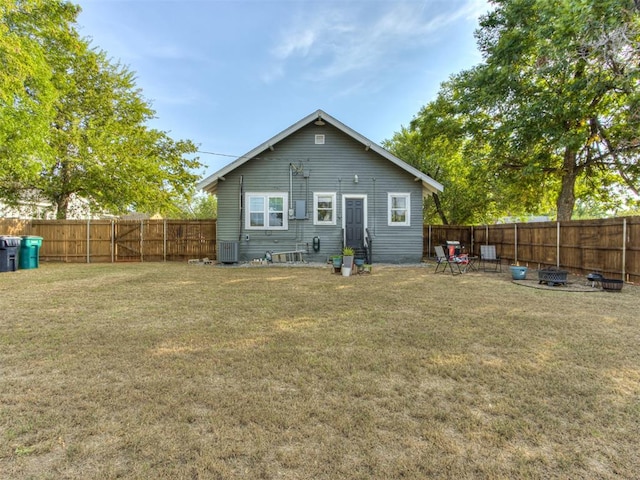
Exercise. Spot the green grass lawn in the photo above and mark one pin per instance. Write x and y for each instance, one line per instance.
(181, 372)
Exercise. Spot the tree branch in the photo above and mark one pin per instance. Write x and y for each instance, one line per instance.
(614, 155)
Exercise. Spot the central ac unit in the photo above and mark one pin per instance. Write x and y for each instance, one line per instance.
(227, 251)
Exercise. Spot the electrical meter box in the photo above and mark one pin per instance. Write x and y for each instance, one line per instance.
(301, 210)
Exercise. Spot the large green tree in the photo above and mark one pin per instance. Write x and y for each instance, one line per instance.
(559, 95)
(551, 115)
(437, 145)
(27, 93)
(453, 147)
(97, 145)
(104, 152)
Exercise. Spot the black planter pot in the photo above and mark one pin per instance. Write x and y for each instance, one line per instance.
(611, 285)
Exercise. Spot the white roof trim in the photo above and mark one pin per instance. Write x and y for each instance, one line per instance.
(210, 183)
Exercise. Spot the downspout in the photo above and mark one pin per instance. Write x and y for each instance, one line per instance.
(339, 200)
(375, 212)
(240, 210)
(307, 197)
(290, 189)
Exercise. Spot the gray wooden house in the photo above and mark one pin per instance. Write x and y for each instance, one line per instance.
(315, 187)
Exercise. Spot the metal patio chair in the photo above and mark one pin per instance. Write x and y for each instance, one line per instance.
(443, 260)
(488, 256)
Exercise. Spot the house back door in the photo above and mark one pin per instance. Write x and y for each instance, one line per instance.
(354, 222)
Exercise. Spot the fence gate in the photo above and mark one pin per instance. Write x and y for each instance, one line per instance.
(128, 240)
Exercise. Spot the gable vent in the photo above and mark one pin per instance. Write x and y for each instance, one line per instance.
(319, 139)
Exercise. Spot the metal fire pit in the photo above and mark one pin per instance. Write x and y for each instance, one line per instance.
(552, 276)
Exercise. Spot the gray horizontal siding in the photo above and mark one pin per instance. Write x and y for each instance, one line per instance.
(331, 168)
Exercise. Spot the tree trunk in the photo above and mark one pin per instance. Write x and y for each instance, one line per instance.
(567, 197)
(63, 198)
(62, 202)
(443, 217)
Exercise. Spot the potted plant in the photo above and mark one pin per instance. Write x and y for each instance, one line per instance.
(347, 256)
(518, 272)
(347, 261)
(336, 260)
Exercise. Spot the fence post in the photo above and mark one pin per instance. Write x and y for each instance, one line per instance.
(624, 249)
(141, 241)
(88, 240)
(113, 241)
(164, 241)
(429, 246)
(558, 245)
(515, 243)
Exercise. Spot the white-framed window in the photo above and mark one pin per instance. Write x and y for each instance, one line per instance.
(399, 209)
(324, 207)
(266, 211)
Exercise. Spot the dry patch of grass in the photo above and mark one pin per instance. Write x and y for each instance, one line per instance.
(176, 371)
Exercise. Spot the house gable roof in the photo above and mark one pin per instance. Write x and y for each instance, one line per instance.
(210, 183)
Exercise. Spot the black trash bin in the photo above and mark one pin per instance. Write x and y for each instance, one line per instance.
(9, 253)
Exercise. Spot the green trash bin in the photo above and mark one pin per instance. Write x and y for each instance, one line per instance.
(29, 252)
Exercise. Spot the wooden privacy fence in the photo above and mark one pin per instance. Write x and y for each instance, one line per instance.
(94, 241)
(609, 246)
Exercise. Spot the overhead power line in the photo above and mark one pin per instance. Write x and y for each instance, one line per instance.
(219, 154)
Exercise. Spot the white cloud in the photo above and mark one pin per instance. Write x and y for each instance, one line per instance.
(295, 43)
(360, 39)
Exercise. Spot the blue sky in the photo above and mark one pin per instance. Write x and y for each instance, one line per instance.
(231, 74)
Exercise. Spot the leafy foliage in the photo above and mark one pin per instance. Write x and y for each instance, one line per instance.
(27, 93)
(560, 85)
(201, 207)
(552, 113)
(93, 142)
